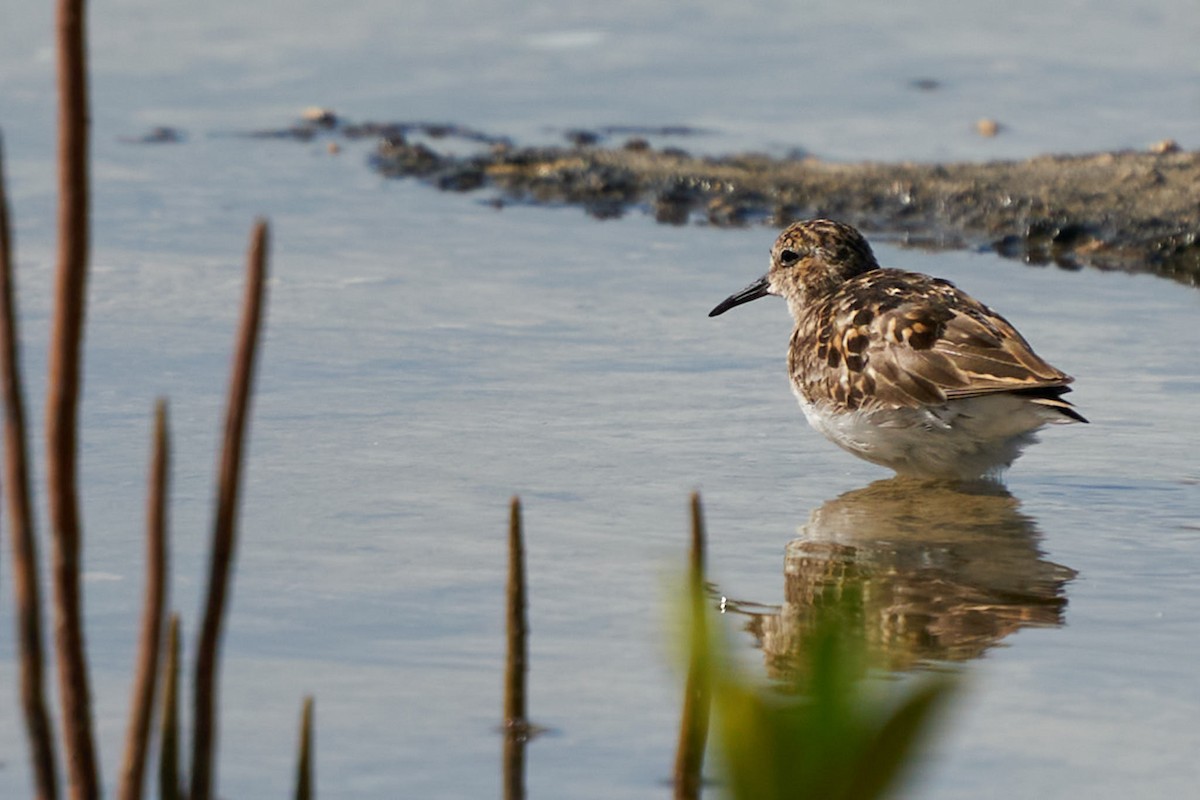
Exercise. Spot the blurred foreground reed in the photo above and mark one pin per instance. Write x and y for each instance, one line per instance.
(66, 537)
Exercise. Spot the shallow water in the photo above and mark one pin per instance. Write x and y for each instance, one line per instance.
(428, 356)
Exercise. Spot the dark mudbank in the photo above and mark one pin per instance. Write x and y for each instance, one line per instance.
(1127, 210)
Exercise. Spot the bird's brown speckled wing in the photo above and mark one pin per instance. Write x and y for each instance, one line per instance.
(904, 340)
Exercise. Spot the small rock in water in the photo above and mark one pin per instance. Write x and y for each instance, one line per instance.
(316, 115)
(159, 135)
(987, 127)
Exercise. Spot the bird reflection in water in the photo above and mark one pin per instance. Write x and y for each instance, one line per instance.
(932, 572)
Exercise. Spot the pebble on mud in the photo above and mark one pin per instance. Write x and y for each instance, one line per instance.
(1164, 146)
(582, 138)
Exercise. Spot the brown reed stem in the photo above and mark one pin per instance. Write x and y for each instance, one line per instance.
(693, 724)
(28, 612)
(62, 398)
(304, 768)
(516, 664)
(133, 767)
(516, 725)
(169, 785)
(224, 526)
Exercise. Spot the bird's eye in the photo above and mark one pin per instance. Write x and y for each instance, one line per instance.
(788, 257)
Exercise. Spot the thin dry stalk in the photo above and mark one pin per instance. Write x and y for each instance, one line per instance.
(169, 785)
(516, 664)
(516, 725)
(224, 528)
(693, 724)
(28, 612)
(62, 400)
(304, 768)
(133, 766)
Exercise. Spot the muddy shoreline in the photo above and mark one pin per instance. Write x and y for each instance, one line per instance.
(1136, 211)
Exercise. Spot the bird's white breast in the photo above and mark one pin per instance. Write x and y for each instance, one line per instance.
(963, 438)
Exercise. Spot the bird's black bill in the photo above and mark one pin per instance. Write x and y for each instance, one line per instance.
(752, 292)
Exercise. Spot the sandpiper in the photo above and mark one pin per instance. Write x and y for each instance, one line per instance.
(902, 369)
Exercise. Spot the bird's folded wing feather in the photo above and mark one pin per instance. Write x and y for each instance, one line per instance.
(946, 345)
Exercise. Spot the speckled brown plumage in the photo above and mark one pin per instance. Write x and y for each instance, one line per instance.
(879, 349)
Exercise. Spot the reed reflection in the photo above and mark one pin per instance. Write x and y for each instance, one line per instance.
(933, 572)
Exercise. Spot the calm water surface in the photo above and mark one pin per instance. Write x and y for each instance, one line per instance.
(428, 356)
